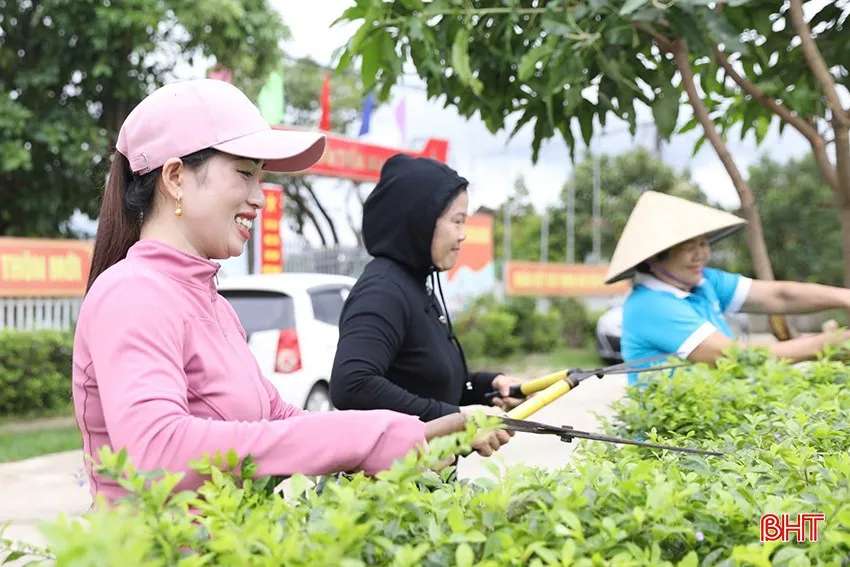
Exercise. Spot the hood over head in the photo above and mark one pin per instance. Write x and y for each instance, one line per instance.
(400, 214)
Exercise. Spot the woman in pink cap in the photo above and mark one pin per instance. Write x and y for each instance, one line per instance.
(161, 363)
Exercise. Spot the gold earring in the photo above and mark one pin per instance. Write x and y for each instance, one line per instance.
(178, 211)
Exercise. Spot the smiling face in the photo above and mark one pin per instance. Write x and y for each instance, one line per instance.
(685, 262)
(219, 201)
(449, 232)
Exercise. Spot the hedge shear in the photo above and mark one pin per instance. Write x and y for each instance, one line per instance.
(555, 385)
(567, 434)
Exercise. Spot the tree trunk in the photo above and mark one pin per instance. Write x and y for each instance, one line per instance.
(358, 231)
(755, 234)
(842, 161)
(840, 123)
(845, 240)
(309, 187)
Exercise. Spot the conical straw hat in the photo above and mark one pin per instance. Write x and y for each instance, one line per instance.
(660, 221)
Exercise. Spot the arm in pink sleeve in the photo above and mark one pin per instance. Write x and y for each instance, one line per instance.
(279, 408)
(137, 355)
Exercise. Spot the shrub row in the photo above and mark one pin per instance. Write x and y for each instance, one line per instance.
(35, 372)
(783, 429)
(494, 329)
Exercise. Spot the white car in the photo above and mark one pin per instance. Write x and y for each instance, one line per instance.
(291, 320)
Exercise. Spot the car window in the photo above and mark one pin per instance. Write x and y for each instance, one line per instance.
(261, 310)
(327, 305)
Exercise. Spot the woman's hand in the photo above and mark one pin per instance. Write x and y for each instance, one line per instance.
(485, 445)
(502, 384)
(446, 425)
(492, 442)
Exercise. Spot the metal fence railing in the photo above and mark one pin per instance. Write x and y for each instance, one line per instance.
(342, 260)
(37, 313)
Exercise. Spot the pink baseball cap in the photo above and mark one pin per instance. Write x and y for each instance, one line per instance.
(188, 116)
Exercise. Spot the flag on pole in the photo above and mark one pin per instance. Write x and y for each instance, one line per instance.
(400, 120)
(325, 103)
(368, 107)
(271, 100)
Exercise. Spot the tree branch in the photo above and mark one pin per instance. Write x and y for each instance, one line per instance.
(778, 108)
(304, 210)
(664, 43)
(309, 187)
(817, 63)
(804, 127)
(358, 233)
(758, 248)
(428, 14)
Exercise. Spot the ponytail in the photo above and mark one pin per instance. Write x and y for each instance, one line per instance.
(127, 200)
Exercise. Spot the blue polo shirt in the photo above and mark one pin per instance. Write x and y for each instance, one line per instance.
(659, 318)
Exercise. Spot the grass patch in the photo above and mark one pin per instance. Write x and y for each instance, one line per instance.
(585, 358)
(36, 416)
(17, 445)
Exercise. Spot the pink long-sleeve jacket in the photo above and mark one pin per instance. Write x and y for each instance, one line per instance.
(162, 368)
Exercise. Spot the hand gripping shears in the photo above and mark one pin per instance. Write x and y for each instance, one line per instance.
(553, 386)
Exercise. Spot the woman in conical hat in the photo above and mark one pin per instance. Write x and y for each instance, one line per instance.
(677, 303)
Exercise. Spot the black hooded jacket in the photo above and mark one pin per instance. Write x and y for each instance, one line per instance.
(396, 346)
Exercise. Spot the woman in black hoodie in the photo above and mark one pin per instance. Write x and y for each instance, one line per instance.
(397, 349)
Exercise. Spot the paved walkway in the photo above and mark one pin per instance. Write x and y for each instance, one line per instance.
(39, 489)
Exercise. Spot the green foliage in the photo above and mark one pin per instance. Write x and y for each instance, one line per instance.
(539, 63)
(497, 330)
(35, 372)
(749, 389)
(488, 329)
(622, 180)
(535, 62)
(775, 63)
(70, 72)
(783, 430)
(802, 226)
(25, 442)
(578, 326)
(797, 210)
(563, 68)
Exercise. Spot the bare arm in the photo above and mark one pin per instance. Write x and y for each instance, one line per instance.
(796, 350)
(794, 297)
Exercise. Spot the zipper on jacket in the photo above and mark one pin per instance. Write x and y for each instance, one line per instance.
(236, 354)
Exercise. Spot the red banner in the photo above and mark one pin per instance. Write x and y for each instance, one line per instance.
(36, 267)
(477, 251)
(551, 280)
(271, 245)
(358, 161)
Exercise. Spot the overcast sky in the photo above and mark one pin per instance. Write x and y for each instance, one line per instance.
(489, 161)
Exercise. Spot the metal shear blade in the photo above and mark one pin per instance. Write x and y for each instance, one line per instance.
(581, 374)
(567, 433)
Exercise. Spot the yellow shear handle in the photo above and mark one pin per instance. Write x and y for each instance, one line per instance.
(779, 327)
(543, 399)
(542, 383)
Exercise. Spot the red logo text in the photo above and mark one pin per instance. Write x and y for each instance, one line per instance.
(774, 527)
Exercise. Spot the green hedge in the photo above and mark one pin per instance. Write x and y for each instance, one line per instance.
(784, 431)
(497, 330)
(35, 372)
